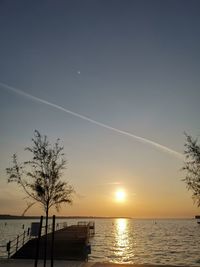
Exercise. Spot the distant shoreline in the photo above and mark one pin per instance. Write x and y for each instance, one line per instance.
(14, 217)
(19, 217)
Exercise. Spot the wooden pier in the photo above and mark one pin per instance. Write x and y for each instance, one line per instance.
(70, 243)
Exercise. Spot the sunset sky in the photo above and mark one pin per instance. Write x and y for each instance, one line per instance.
(118, 82)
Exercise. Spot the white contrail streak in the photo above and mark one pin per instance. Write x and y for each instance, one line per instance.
(141, 139)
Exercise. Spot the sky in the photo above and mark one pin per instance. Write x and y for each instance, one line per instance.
(118, 82)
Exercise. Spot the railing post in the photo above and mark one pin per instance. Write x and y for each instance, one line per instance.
(8, 248)
(17, 243)
(38, 243)
(23, 238)
(28, 232)
(52, 240)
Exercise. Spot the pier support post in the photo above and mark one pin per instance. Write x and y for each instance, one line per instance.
(23, 237)
(8, 248)
(17, 243)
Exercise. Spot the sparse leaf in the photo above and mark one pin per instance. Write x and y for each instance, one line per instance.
(40, 177)
(192, 167)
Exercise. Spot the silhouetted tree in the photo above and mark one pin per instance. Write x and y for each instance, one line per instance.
(40, 178)
(192, 167)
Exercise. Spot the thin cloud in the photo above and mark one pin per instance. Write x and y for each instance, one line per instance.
(113, 183)
(78, 115)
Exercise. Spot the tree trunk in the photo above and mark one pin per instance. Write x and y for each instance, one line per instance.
(46, 231)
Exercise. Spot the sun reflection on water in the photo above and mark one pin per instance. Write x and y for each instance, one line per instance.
(121, 238)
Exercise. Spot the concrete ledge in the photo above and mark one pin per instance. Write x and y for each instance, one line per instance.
(30, 263)
(61, 263)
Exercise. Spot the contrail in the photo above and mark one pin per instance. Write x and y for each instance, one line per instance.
(139, 138)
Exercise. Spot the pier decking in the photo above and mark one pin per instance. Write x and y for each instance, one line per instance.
(70, 243)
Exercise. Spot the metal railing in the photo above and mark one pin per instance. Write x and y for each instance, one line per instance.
(90, 225)
(15, 244)
(58, 226)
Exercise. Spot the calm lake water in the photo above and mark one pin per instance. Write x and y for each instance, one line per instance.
(174, 242)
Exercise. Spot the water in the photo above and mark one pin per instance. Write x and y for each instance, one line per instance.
(175, 242)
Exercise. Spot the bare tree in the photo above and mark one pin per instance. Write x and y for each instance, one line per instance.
(192, 167)
(40, 178)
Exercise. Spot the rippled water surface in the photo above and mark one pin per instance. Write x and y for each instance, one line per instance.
(174, 242)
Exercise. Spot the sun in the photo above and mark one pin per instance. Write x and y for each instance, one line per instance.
(120, 195)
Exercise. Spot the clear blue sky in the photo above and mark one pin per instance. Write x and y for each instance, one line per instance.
(133, 65)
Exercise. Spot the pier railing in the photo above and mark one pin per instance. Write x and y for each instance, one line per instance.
(90, 225)
(12, 246)
(15, 244)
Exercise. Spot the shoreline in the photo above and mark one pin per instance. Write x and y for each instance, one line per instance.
(19, 217)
